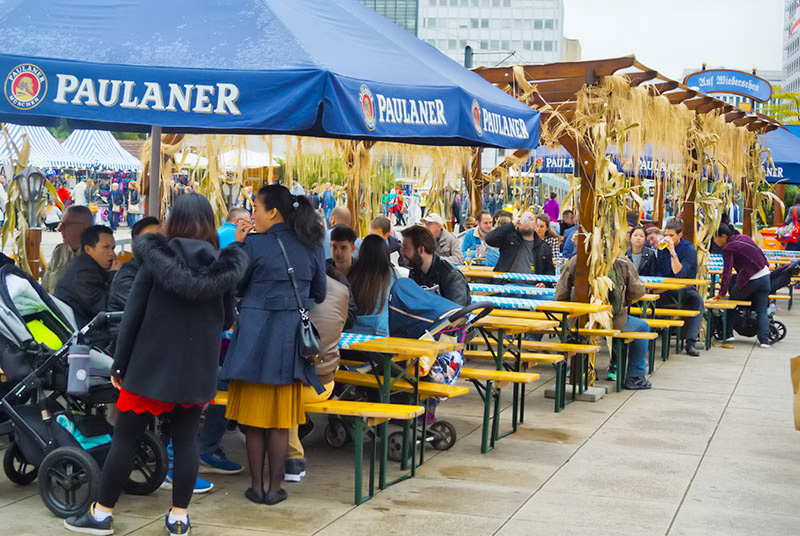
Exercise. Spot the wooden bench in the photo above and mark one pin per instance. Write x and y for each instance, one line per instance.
(425, 389)
(664, 327)
(722, 307)
(488, 383)
(363, 417)
(779, 297)
(621, 341)
(659, 311)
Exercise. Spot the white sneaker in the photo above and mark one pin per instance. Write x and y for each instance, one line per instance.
(764, 345)
(731, 339)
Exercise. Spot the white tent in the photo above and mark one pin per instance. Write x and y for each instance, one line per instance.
(240, 158)
(45, 151)
(101, 150)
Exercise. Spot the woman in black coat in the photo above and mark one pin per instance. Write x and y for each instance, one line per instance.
(263, 365)
(167, 352)
(642, 257)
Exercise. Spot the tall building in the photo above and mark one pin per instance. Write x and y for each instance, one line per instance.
(404, 13)
(791, 47)
(775, 78)
(500, 32)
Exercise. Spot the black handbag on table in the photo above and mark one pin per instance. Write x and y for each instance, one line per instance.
(307, 334)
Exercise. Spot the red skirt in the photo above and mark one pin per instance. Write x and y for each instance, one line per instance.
(128, 401)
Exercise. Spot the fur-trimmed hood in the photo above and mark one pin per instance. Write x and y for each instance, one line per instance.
(191, 268)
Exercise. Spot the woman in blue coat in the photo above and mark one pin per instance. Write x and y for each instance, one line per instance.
(265, 370)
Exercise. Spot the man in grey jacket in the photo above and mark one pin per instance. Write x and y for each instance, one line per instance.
(447, 245)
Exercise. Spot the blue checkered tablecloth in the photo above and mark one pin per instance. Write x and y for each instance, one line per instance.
(511, 276)
(502, 302)
(513, 290)
(351, 338)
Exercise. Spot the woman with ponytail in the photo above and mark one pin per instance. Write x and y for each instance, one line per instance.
(264, 368)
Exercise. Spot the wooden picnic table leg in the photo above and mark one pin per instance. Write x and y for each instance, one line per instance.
(358, 441)
(791, 294)
(709, 321)
(618, 361)
(386, 394)
(518, 368)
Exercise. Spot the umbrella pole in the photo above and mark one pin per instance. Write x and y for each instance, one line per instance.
(153, 200)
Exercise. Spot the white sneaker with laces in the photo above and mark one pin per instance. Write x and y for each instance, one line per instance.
(765, 345)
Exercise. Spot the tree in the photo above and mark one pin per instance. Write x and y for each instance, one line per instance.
(786, 108)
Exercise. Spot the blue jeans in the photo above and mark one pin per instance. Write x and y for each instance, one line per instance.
(210, 435)
(637, 349)
(131, 218)
(757, 292)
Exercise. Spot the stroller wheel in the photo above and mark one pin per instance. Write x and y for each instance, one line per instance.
(396, 446)
(774, 333)
(336, 433)
(444, 435)
(150, 466)
(780, 328)
(68, 481)
(17, 468)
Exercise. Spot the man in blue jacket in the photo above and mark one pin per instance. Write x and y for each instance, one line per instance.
(474, 242)
(679, 259)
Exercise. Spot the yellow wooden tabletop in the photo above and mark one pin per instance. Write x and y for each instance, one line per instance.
(404, 348)
(681, 281)
(516, 324)
(662, 286)
(572, 307)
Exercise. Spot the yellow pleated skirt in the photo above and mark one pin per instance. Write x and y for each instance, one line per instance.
(265, 406)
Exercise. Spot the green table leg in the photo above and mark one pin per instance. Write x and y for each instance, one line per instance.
(618, 361)
(709, 315)
(665, 337)
(651, 356)
(487, 413)
(358, 445)
(386, 397)
(791, 294)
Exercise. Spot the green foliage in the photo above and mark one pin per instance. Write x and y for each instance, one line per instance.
(130, 135)
(62, 131)
(787, 108)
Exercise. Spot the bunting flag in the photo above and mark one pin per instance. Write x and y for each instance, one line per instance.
(796, 22)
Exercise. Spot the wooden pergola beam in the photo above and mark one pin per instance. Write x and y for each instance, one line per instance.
(570, 69)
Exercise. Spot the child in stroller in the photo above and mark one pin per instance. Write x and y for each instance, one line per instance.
(743, 319)
(60, 437)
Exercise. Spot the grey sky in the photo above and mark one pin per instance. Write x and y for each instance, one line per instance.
(675, 34)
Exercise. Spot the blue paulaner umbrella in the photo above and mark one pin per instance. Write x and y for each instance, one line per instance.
(784, 148)
(329, 68)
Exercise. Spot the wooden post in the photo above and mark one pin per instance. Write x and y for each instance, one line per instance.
(33, 241)
(473, 177)
(154, 193)
(689, 225)
(777, 211)
(659, 201)
(747, 212)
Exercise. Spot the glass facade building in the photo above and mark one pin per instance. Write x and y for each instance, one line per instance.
(404, 13)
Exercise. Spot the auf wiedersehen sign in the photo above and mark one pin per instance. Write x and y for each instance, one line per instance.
(725, 81)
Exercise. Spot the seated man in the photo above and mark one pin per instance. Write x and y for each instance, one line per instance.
(567, 221)
(447, 245)
(679, 259)
(382, 226)
(74, 222)
(123, 281)
(428, 269)
(521, 249)
(84, 285)
(474, 242)
(342, 247)
(628, 288)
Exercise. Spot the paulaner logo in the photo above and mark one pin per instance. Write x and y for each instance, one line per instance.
(25, 86)
(476, 117)
(367, 101)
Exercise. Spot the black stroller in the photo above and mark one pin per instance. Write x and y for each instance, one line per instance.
(59, 438)
(744, 320)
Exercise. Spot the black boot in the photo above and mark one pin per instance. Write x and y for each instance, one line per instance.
(691, 349)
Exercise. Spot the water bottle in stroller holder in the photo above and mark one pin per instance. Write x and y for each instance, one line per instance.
(79, 363)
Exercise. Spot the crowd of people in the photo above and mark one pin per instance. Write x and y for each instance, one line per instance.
(209, 309)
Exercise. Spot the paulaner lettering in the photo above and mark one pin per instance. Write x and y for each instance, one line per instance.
(219, 98)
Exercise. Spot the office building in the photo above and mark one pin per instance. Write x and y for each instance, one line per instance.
(791, 47)
(404, 13)
(500, 32)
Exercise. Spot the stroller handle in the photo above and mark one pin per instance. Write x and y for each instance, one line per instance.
(101, 320)
(486, 307)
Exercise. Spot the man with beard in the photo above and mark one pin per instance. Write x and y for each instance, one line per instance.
(428, 269)
(521, 249)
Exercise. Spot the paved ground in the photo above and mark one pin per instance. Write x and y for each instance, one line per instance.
(711, 449)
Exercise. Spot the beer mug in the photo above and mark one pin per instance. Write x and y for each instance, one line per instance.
(663, 243)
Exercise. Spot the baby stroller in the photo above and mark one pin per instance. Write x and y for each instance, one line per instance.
(60, 438)
(744, 320)
(417, 313)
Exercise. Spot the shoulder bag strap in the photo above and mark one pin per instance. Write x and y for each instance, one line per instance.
(290, 271)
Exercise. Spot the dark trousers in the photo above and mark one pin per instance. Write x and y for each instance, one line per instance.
(691, 301)
(114, 220)
(757, 292)
(129, 429)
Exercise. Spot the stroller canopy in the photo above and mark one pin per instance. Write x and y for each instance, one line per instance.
(414, 311)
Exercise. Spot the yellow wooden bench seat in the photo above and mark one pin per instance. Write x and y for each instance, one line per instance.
(597, 332)
(660, 323)
(779, 297)
(504, 376)
(426, 389)
(561, 347)
(681, 313)
(725, 304)
(636, 335)
(525, 357)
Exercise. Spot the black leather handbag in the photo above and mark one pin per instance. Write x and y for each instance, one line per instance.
(307, 334)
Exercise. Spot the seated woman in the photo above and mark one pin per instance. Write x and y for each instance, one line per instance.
(547, 234)
(371, 278)
(642, 257)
